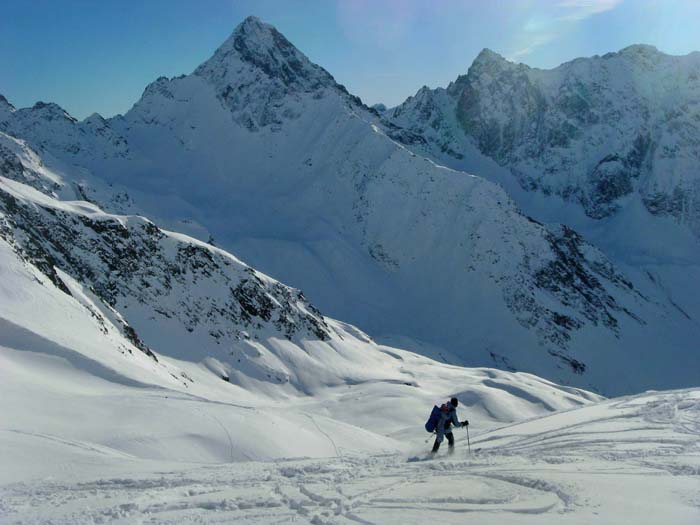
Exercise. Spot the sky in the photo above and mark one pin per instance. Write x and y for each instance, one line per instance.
(98, 55)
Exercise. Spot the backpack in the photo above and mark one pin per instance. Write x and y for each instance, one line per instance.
(432, 422)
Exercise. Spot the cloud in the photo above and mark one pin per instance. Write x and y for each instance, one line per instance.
(578, 10)
(545, 26)
(533, 43)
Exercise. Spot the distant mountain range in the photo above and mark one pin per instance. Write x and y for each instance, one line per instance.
(260, 152)
(595, 131)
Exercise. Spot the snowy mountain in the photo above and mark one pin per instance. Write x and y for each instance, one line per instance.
(119, 337)
(96, 428)
(314, 422)
(261, 152)
(606, 145)
(593, 131)
(149, 376)
(51, 128)
(149, 288)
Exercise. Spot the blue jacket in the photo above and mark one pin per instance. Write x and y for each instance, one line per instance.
(447, 420)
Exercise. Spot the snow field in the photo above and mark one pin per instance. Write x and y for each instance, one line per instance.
(630, 460)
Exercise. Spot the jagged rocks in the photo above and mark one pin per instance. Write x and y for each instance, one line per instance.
(128, 262)
(592, 131)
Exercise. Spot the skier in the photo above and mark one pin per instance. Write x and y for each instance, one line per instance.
(448, 417)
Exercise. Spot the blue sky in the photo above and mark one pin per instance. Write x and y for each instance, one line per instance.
(98, 55)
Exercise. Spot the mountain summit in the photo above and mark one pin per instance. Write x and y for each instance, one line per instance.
(488, 56)
(259, 44)
(256, 68)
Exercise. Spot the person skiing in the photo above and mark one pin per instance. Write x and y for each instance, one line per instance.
(448, 417)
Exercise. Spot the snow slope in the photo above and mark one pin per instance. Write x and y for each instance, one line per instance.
(601, 463)
(606, 145)
(96, 430)
(261, 152)
(119, 337)
(85, 386)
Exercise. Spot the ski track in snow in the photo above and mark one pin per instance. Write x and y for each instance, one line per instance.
(318, 492)
(538, 471)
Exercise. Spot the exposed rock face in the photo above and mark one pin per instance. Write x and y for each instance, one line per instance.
(51, 129)
(131, 259)
(137, 269)
(256, 69)
(592, 130)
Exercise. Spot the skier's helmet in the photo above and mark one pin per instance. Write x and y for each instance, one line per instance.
(454, 402)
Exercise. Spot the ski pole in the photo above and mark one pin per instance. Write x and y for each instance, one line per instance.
(468, 442)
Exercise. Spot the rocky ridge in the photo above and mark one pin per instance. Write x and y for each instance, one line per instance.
(592, 131)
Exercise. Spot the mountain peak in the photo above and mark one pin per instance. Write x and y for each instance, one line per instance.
(640, 49)
(51, 111)
(253, 22)
(255, 31)
(259, 44)
(5, 102)
(487, 61)
(95, 120)
(6, 110)
(487, 55)
(643, 55)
